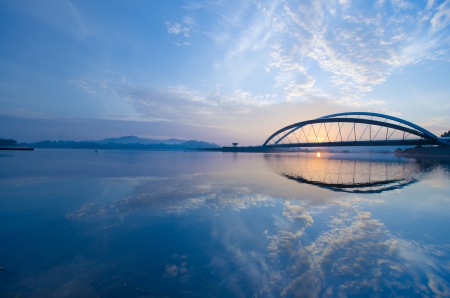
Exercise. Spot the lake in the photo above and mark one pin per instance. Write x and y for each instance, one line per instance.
(75, 223)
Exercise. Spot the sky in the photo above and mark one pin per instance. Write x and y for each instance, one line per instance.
(219, 71)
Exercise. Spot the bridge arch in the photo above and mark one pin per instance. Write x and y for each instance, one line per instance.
(387, 117)
(353, 129)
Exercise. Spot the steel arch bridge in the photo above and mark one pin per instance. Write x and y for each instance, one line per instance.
(353, 129)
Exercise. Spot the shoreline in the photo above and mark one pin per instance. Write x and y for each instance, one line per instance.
(425, 151)
(17, 148)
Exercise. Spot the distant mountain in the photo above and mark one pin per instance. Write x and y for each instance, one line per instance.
(129, 142)
(137, 140)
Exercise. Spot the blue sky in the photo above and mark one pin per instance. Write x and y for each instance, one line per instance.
(218, 71)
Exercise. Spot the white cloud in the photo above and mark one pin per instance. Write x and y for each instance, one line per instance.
(193, 6)
(299, 90)
(442, 17)
(173, 28)
(356, 46)
(299, 51)
(176, 29)
(178, 102)
(184, 28)
(189, 21)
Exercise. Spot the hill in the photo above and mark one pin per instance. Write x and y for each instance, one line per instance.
(128, 142)
(137, 140)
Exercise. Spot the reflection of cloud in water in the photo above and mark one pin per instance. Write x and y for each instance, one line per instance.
(217, 202)
(177, 268)
(176, 196)
(356, 255)
(311, 249)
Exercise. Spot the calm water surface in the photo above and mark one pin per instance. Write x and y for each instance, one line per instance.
(74, 223)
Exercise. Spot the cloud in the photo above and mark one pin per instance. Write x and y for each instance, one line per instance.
(81, 29)
(436, 121)
(357, 47)
(192, 6)
(182, 103)
(239, 265)
(176, 196)
(173, 28)
(312, 249)
(295, 213)
(177, 102)
(441, 18)
(356, 250)
(176, 29)
(89, 86)
(239, 33)
(175, 270)
(299, 90)
(333, 50)
(184, 28)
(61, 15)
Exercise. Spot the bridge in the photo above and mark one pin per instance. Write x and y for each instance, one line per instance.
(345, 129)
(353, 129)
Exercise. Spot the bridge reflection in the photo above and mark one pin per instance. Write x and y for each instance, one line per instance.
(368, 187)
(346, 175)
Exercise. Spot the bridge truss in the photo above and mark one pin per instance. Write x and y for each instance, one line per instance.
(353, 129)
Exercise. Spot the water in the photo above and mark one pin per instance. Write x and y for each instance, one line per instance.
(77, 223)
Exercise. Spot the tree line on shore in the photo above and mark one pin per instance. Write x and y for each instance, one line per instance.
(8, 142)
